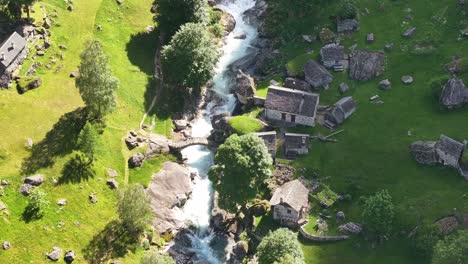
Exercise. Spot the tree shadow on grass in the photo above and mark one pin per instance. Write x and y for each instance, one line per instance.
(59, 141)
(77, 169)
(30, 214)
(141, 50)
(112, 242)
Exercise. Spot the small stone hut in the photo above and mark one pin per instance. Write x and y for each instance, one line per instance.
(270, 141)
(342, 110)
(13, 52)
(290, 203)
(296, 144)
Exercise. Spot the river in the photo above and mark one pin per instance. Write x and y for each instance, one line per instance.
(197, 210)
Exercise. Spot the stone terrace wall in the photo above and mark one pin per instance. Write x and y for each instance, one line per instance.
(320, 238)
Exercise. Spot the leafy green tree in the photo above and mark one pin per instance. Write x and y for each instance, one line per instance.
(96, 82)
(172, 14)
(190, 58)
(38, 202)
(242, 164)
(280, 247)
(152, 257)
(87, 140)
(134, 209)
(378, 213)
(347, 10)
(452, 250)
(425, 239)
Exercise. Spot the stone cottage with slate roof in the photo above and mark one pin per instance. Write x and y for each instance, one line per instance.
(270, 141)
(296, 144)
(342, 110)
(291, 106)
(290, 203)
(332, 56)
(13, 52)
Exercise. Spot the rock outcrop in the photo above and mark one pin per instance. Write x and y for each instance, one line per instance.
(244, 88)
(424, 152)
(169, 190)
(365, 65)
(35, 180)
(316, 75)
(136, 160)
(454, 94)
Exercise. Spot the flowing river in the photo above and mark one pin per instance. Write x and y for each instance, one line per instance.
(198, 208)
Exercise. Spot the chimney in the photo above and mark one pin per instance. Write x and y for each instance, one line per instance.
(281, 200)
(3, 55)
(13, 45)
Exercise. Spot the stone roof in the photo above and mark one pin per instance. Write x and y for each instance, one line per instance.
(332, 52)
(316, 75)
(292, 193)
(450, 147)
(269, 138)
(293, 140)
(347, 104)
(365, 65)
(292, 101)
(454, 93)
(342, 110)
(10, 49)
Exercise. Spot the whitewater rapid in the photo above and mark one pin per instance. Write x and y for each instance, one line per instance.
(197, 210)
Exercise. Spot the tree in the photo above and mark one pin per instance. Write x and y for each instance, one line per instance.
(172, 14)
(38, 202)
(452, 250)
(281, 247)
(242, 164)
(96, 82)
(378, 213)
(134, 209)
(87, 140)
(190, 58)
(425, 239)
(152, 257)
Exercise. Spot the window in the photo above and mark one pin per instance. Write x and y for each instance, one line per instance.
(293, 118)
(289, 211)
(283, 116)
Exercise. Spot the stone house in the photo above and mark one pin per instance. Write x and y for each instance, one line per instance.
(13, 52)
(333, 56)
(342, 110)
(291, 106)
(449, 151)
(270, 141)
(296, 144)
(290, 203)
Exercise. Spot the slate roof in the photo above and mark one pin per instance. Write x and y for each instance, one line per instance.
(11, 47)
(450, 146)
(292, 101)
(270, 141)
(332, 52)
(293, 140)
(293, 193)
(347, 104)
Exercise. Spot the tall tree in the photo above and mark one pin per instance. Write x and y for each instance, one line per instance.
(378, 213)
(190, 58)
(280, 247)
(87, 140)
(172, 14)
(152, 257)
(96, 82)
(452, 250)
(27, 5)
(242, 164)
(134, 209)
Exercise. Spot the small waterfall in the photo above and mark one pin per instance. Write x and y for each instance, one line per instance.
(198, 208)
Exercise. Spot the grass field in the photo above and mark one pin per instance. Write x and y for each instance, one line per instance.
(51, 116)
(373, 151)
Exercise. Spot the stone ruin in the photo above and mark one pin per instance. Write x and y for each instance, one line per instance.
(446, 151)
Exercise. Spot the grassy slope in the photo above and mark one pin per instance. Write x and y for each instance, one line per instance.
(245, 124)
(372, 153)
(34, 113)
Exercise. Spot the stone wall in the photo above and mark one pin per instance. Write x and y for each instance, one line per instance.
(281, 214)
(301, 120)
(320, 238)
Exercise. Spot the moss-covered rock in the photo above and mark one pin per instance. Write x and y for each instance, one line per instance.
(25, 84)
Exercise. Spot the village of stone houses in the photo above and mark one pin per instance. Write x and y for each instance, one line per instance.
(234, 131)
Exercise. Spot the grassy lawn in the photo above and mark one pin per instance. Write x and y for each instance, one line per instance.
(50, 115)
(245, 124)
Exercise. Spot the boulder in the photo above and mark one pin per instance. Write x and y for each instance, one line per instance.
(180, 124)
(74, 74)
(136, 160)
(35, 180)
(347, 26)
(244, 88)
(219, 219)
(111, 173)
(29, 143)
(25, 189)
(316, 75)
(240, 249)
(119, 2)
(62, 202)
(343, 88)
(157, 146)
(365, 65)
(407, 79)
(131, 142)
(259, 208)
(454, 93)
(424, 152)
(340, 216)
(389, 46)
(409, 33)
(297, 84)
(112, 184)
(168, 190)
(62, 47)
(385, 85)
(55, 254)
(25, 84)
(370, 38)
(6, 245)
(70, 8)
(327, 36)
(241, 35)
(92, 198)
(308, 38)
(227, 21)
(69, 256)
(4, 182)
(350, 228)
(2, 206)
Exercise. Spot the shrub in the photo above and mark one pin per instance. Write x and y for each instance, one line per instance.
(279, 245)
(347, 10)
(38, 202)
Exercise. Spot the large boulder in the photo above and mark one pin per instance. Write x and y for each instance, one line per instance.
(347, 26)
(25, 189)
(365, 65)
(316, 75)
(454, 93)
(424, 152)
(25, 84)
(227, 20)
(168, 190)
(69, 256)
(244, 88)
(240, 249)
(55, 254)
(136, 160)
(297, 84)
(157, 145)
(35, 180)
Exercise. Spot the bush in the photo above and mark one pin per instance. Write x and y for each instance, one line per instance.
(259, 207)
(425, 239)
(38, 202)
(453, 249)
(347, 10)
(280, 245)
(378, 213)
